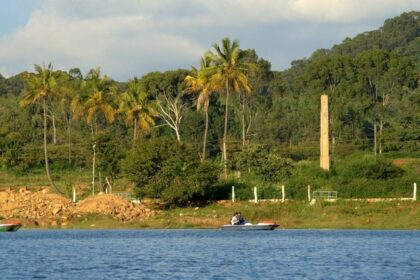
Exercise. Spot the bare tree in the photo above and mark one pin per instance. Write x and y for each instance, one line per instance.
(170, 110)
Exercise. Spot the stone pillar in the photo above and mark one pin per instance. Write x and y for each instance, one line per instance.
(324, 144)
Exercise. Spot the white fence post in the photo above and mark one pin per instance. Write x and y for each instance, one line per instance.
(414, 191)
(283, 194)
(309, 193)
(74, 195)
(255, 195)
(233, 193)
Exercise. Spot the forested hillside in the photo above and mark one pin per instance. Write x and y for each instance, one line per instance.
(168, 133)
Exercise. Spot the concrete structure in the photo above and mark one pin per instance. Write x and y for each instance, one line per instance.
(324, 144)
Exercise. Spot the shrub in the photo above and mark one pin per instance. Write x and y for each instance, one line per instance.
(304, 174)
(369, 167)
(162, 168)
(269, 166)
(109, 155)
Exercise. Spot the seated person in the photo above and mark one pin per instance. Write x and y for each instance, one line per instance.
(237, 219)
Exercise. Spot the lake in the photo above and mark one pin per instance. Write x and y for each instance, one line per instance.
(210, 254)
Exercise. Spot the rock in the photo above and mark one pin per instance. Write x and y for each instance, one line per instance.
(55, 211)
(23, 190)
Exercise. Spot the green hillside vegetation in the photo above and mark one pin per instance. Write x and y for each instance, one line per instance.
(187, 135)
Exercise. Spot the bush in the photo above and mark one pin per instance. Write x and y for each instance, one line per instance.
(369, 167)
(304, 174)
(269, 166)
(109, 155)
(162, 168)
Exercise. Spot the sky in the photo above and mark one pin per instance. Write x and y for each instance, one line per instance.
(129, 38)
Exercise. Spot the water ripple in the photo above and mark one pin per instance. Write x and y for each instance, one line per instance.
(209, 254)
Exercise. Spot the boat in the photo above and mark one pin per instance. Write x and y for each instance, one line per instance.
(10, 226)
(248, 226)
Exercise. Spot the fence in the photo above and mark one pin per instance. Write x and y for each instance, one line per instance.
(324, 194)
(329, 195)
(125, 195)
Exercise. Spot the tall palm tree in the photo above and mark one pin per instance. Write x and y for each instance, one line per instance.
(231, 71)
(97, 99)
(137, 107)
(41, 87)
(71, 92)
(199, 81)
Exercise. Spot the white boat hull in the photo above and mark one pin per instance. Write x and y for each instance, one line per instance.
(249, 227)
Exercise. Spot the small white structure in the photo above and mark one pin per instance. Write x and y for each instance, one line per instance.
(74, 194)
(255, 195)
(233, 193)
(283, 194)
(309, 193)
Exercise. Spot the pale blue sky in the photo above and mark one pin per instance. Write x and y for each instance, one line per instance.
(128, 38)
(15, 14)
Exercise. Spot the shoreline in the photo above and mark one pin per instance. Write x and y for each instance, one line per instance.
(297, 215)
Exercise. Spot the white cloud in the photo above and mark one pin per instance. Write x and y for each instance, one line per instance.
(352, 10)
(234, 11)
(133, 37)
(120, 45)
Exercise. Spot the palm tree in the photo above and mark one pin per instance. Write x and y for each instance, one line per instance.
(232, 73)
(200, 81)
(41, 87)
(97, 100)
(71, 92)
(137, 107)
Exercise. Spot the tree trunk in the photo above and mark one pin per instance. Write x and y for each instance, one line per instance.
(47, 168)
(96, 126)
(243, 122)
(380, 136)
(374, 139)
(205, 135)
(69, 139)
(135, 130)
(224, 155)
(54, 129)
(93, 169)
(178, 136)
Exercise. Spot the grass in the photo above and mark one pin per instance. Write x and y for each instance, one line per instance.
(63, 178)
(290, 215)
(37, 177)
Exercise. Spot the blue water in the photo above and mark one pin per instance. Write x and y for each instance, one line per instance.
(210, 254)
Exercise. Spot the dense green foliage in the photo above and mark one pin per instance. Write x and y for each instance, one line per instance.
(170, 171)
(150, 125)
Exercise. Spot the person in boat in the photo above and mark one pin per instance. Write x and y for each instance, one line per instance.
(237, 219)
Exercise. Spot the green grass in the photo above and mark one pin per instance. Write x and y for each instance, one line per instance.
(290, 215)
(299, 214)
